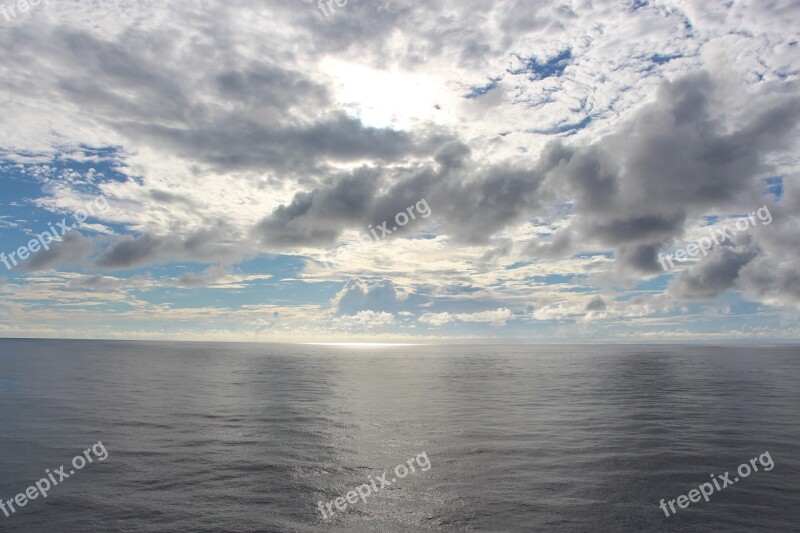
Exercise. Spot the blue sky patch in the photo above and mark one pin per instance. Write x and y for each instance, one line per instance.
(551, 67)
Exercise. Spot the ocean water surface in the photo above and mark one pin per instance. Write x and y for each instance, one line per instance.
(251, 437)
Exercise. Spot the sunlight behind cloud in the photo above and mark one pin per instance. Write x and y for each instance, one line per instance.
(389, 98)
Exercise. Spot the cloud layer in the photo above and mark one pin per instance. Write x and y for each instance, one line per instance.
(561, 147)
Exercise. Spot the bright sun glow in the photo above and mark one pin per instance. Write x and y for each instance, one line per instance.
(360, 344)
(389, 98)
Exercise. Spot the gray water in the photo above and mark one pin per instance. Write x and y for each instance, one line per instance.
(249, 437)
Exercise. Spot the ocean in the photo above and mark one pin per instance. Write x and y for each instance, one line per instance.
(260, 437)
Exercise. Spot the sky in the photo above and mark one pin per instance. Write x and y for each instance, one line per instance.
(400, 171)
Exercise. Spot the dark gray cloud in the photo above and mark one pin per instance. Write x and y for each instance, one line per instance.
(501, 250)
(475, 203)
(640, 258)
(637, 229)
(773, 276)
(98, 283)
(476, 209)
(596, 304)
(166, 197)
(258, 115)
(131, 251)
(263, 85)
(215, 244)
(773, 282)
(633, 192)
(718, 273)
(238, 143)
(73, 250)
(318, 218)
(679, 157)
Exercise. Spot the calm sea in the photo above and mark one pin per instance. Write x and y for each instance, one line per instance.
(250, 437)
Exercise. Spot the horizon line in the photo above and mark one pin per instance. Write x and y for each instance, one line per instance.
(471, 342)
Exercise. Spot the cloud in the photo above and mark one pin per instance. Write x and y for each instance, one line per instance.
(318, 218)
(596, 304)
(206, 245)
(364, 320)
(559, 156)
(497, 317)
(368, 295)
(98, 283)
(74, 249)
(713, 276)
(678, 156)
(437, 319)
